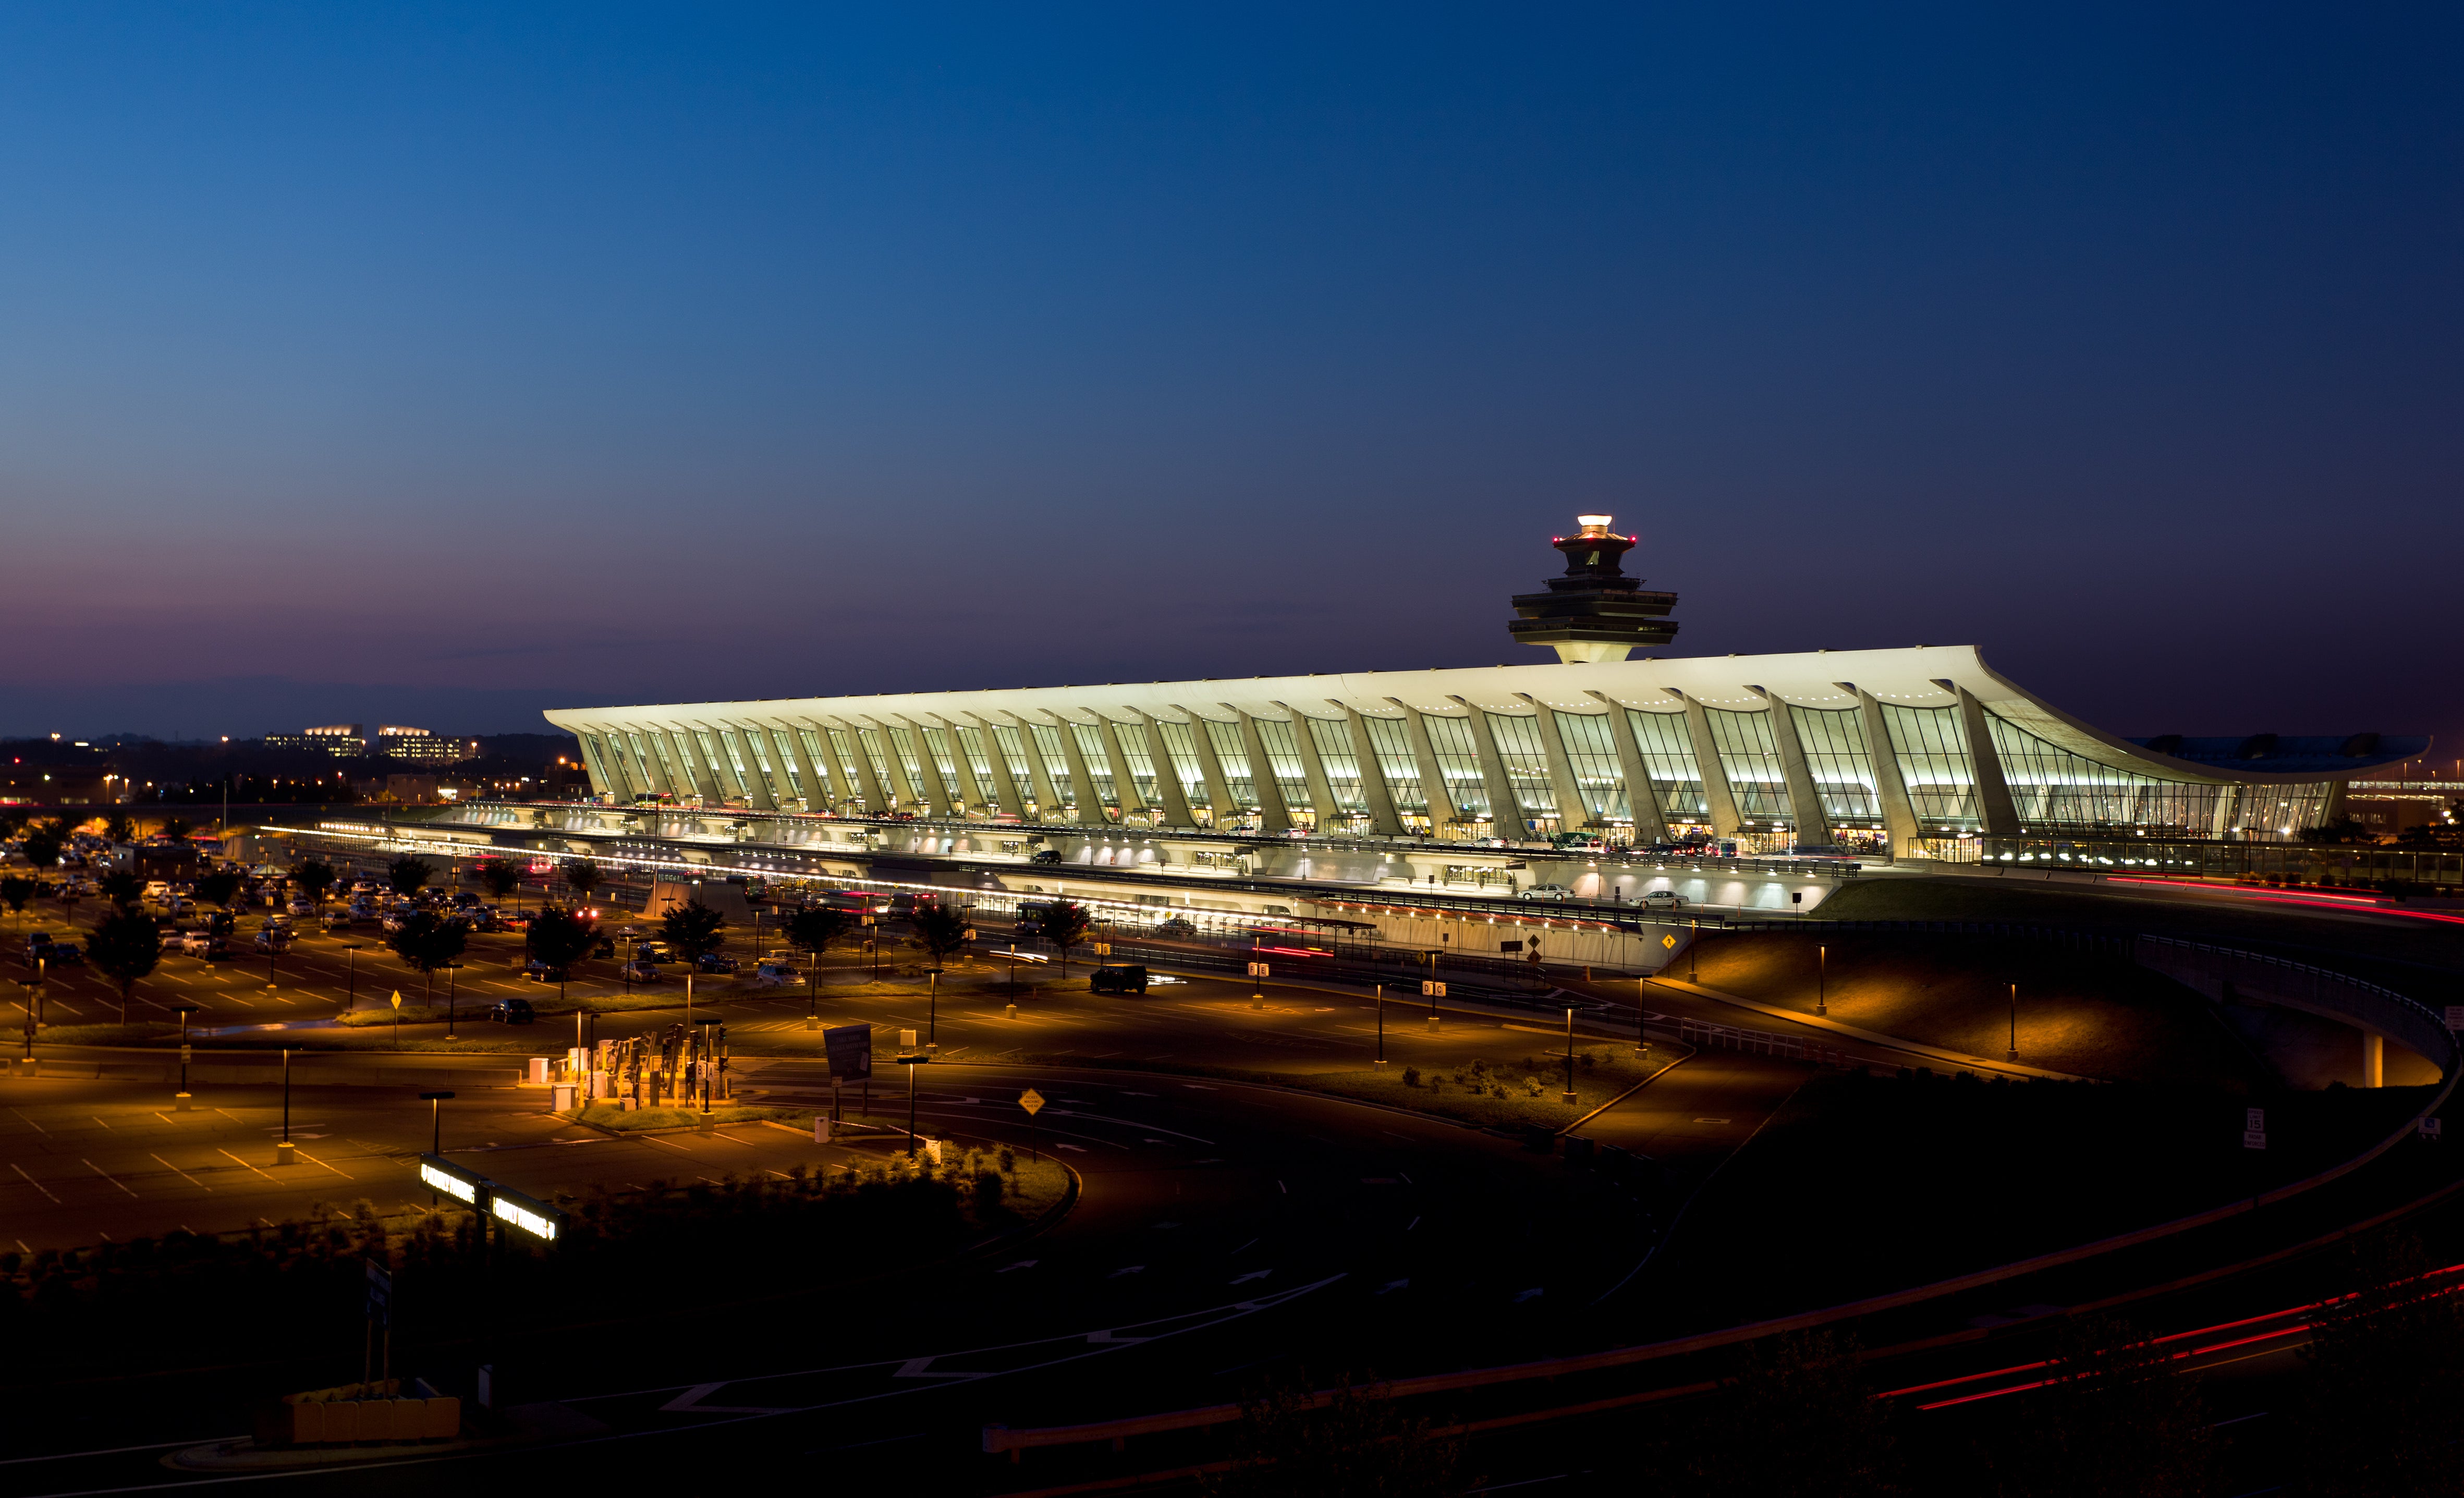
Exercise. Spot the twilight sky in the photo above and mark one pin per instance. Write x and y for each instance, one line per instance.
(440, 364)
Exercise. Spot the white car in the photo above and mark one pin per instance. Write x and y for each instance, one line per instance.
(1663, 899)
(155, 889)
(766, 973)
(303, 906)
(1547, 891)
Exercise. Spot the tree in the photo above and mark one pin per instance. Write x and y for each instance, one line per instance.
(43, 843)
(218, 888)
(2116, 1421)
(815, 927)
(692, 928)
(175, 829)
(1357, 1444)
(501, 876)
(2384, 1369)
(15, 889)
(427, 941)
(121, 888)
(409, 874)
(560, 939)
(942, 930)
(117, 827)
(124, 947)
(1800, 1421)
(1064, 926)
(316, 876)
(583, 876)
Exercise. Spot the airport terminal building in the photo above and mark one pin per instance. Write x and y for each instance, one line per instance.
(1921, 752)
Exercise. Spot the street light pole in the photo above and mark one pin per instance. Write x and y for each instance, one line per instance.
(1381, 1024)
(1570, 1055)
(352, 1001)
(2014, 1022)
(1821, 980)
(183, 1010)
(282, 1151)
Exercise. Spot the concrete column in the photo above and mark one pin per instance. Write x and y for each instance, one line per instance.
(1992, 791)
(1004, 783)
(1091, 807)
(1572, 813)
(1048, 799)
(876, 796)
(820, 786)
(2373, 1059)
(1505, 812)
(1433, 777)
(1383, 818)
(937, 796)
(1312, 772)
(1812, 824)
(1219, 790)
(704, 774)
(976, 796)
(1649, 820)
(1175, 801)
(1716, 793)
(1123, 783)
(757, 786)
(1899, 811)
(1271, 815)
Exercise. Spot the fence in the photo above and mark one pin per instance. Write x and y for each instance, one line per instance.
(2213, 970)
(1702, 1034)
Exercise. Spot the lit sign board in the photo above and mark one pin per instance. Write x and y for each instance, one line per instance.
(452, 1185)
(536, 1223)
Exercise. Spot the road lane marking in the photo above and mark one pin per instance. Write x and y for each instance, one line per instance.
(314, 1161)
(105, 1174)
(182, 1174)
(31, 1181)
(38, 1127)
(1134, 1269)
(236, 1160)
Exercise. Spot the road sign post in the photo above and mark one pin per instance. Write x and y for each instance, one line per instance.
(1257, 985)
(1381, 1024)
(1435, 991)
(1033, 1102)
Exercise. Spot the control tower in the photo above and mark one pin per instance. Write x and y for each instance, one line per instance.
(1594, 613)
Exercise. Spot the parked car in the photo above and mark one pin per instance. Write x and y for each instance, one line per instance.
(654, 952)
(1547, 891)
(512, 1011)
(1044, 855)
(302, 905)
(768, 973)
(39, 943)
(201, 943)
(716, 962)
(1663, 899)
(604, 948)
(65, 954)
(276, 941)
(638, 972)
(539, 972)
(1177, 926)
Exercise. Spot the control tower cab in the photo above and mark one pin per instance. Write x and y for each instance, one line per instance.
(1594, 613)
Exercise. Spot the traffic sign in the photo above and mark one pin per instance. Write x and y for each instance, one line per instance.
(2255, 1119)
(2430, 1129)
(2456, 1016)
(380, 1293)
(1103, 949)
(2254, 1138)
(1032, 1101)
(1257, 970)
(1670, 942)
(1432, 990)
(397, 998)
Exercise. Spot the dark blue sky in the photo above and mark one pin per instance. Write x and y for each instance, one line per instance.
(365, 362)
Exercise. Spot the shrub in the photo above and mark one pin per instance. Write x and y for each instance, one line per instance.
(1411, 1076)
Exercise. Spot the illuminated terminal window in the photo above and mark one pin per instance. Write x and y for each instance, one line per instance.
(1331, 738)
(1526, 769)
(1598, 778)
(1835, 757)
(1931, 746)
(1459, 761)
(1750, 754)
(1667, 751)
(1390, 741)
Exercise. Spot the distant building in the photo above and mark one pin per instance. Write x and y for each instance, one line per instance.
(341, 740)
(398, 741)
(391, 741)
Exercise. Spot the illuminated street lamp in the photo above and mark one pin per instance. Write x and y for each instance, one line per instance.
(911, 1058)
(183, 1010)
(1821, 980)
(351, 1000)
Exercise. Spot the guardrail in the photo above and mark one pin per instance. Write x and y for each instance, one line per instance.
(1704, 1034)
(2383, 1011)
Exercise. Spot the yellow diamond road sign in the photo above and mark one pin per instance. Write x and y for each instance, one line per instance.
(397, 998)
(1032, 1101)
(1669, 942)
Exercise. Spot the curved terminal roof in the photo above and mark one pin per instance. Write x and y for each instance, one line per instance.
(1916, 676)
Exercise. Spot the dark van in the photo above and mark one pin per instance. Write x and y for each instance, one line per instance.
(1118, 978)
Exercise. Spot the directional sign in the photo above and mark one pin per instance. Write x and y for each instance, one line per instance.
(1257, 970)
(1032, 1101)
(380, 1293)
(1432, 990)
(849, 1047)
(1103, 949)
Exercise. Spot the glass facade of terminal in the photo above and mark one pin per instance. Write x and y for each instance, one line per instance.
(1453, 776)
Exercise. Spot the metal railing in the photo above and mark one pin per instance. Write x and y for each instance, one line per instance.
(2383, 1011)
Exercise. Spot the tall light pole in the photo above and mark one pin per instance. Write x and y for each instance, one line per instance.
(282, 1151)
(1570, 1054)
(351, 1001)
(183, 1010)
(1821, 979)
(2014, 1022)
